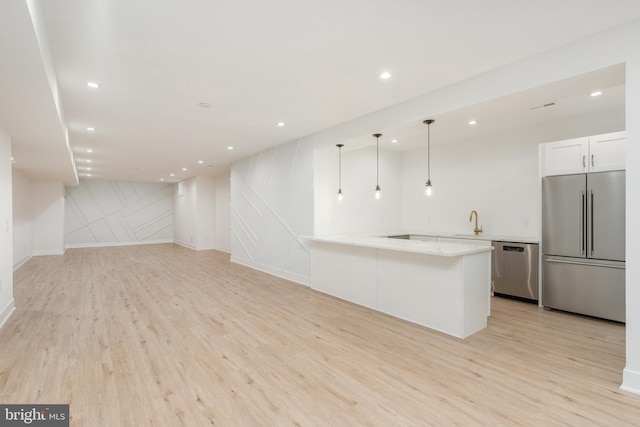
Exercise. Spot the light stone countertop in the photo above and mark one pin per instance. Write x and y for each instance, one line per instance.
(404, 245)
(465, 236)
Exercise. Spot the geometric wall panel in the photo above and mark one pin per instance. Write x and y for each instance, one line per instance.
(108, 213)
(271, 209)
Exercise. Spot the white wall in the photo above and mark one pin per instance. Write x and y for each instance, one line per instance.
(201, 219)
(631, 378)
(185, 213)
(108, 213)
(47, 203)
(271, 208)
(7, 304)
(496, 175)
(22, 219)
(206, 212)
(202, 213)
(223, 213)
(358, 211)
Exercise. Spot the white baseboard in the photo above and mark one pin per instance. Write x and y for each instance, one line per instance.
(111, 244)
(630, 381)
(186, 245)
(201, 248)
(204, 248)
(7, 312)
(48, 252)
(293, 277)
(22, 262)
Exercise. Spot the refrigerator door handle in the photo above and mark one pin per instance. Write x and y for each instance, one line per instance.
(582, 248)
(591, 221)
(557, 261)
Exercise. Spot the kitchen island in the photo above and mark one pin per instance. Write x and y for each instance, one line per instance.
(444, 286)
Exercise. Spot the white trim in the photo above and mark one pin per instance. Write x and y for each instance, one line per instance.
(111, 244)
(287, 275)
(630, 381)
(205, 248)
(22, 262)
(48, 252)
(185, 245)
(221, 249)
(7, 312)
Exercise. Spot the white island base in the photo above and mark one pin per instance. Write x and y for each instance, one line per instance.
(446, 287)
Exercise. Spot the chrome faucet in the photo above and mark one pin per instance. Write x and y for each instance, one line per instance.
(476, 229)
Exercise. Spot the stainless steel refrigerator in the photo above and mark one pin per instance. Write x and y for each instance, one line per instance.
(583, 244)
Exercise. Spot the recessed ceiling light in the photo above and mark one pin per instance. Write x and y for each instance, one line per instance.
(172, 174)
(89, 161)
(394, 141)
(13, 159)
(89, 150)
(596, 93)
(472, 122)
(184, 169)
(93, 85)
(200, 162)
(88, 169)
(386, 75)
(88, 174)
(161, 179)
(230, 147)
(91, 129)
(280, 124)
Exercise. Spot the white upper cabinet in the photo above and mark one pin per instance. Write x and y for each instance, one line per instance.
(589, 154)
(607, 152)
(566, 157)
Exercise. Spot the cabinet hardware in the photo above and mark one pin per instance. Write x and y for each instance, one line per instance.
(592, 161)
(582, 248)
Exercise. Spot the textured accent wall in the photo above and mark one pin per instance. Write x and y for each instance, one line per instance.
(110, 213)
(271, 208)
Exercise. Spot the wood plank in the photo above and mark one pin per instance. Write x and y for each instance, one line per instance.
(160, 335)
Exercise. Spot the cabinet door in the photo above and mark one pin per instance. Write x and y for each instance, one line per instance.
(566, 157)
(607, 152)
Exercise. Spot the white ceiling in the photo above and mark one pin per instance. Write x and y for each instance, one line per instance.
(541, 106)
(312, 65)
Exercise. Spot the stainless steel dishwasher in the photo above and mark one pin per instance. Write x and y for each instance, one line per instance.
(514, 270)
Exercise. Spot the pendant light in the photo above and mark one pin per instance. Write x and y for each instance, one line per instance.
(377, 136)
(339, 171)
(428, 186)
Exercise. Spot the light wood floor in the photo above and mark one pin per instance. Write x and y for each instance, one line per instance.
(164, 336)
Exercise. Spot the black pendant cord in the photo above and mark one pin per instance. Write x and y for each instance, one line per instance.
(428, 152)
(340, 167)
(428, 123)
(377, 136)
(377, 163)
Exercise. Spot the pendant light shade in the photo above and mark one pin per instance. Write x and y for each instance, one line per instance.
(339, 171)
(428, 185)
(377, 137)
